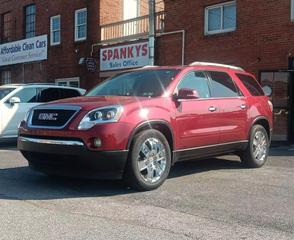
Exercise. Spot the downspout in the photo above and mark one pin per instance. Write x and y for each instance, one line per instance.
(151, 37)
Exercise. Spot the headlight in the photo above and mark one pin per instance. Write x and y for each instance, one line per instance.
(101, 115)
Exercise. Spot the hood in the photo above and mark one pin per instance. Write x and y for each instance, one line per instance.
(90, 103)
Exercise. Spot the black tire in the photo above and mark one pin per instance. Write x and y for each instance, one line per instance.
(248, 157)
(133, 176)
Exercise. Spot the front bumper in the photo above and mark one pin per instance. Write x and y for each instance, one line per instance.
(67, 157)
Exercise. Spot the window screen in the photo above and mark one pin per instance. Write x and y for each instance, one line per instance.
(30, 21)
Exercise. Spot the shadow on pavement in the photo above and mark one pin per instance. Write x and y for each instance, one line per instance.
(198, 166)
(282, 151)
(11, 146)
(22, 183)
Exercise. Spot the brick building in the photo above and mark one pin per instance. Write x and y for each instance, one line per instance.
(256, 35)
(26, 19)
(63, 20)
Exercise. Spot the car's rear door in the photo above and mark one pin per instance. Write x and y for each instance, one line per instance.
(197, 119)
(232, 106)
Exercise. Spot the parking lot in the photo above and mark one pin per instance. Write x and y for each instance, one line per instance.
(209, 199)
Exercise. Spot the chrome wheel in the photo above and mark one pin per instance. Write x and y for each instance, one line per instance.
(152, 160)
(260, 146)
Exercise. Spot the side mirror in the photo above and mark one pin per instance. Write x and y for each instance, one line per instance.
(187, 93)
(267, 90)
(14, 100)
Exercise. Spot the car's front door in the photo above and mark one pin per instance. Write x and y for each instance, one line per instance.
(13, 114)
(197, 119)
(232, 105)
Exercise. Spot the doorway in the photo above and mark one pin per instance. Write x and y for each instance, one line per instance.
(131, 9)
(279, 82)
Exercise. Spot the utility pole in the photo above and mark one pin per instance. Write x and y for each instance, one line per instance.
(151, 31)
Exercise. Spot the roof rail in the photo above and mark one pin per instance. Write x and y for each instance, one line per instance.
(216, 65)
(150, 66)
(40, 83)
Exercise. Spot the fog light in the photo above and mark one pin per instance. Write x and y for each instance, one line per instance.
(97, 142)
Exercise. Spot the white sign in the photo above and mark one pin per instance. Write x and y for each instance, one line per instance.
(26, 50)
(124, 56)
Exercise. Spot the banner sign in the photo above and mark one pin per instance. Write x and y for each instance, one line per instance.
(124, 56)
(26, 50)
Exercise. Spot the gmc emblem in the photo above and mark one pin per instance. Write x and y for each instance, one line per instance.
(48, 116)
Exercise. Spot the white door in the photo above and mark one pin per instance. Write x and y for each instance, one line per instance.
(12, 115)
(131, 10)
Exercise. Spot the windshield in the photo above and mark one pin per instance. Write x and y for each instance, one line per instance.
(5, 91)
(145, 83)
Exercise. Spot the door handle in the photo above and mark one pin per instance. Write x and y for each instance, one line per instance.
(243, 106)
(212, 109)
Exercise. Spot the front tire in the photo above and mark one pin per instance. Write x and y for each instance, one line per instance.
(255, 156)
(149, 161)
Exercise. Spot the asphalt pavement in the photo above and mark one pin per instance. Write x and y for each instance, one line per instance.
(208, 199)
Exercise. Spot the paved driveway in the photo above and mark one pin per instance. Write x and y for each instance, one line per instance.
(209, 199)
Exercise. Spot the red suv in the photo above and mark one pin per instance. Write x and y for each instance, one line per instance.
(137, 124)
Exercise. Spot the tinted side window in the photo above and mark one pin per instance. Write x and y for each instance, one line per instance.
(251, 84)
(222, 85)
(196, 81)
(49, 94)
(68, 93)
(27, 95)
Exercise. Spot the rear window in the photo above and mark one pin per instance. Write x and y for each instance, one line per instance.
(251, 84)
(69, 93)
(52, 94)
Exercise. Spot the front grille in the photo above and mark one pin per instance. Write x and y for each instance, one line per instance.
(51, 118)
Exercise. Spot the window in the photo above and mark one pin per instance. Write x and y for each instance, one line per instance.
(70, 82)
(292, 10)
(222, 85)
(52, 94)
(143, 83)
(68, 93)
(27, 95)
(6, 77)
(251, 84)
(220, 18)
(55, 29)
(81, 24)
(196, 81)
(5, 91)
(30, 21)
(6, 34)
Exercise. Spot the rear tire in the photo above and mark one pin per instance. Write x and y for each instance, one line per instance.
(256, 153)
(149, 161)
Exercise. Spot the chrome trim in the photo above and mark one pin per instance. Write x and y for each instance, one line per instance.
(50, 141)
(209, 146)
(118, 115)
(216, 65)
(52, 107)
